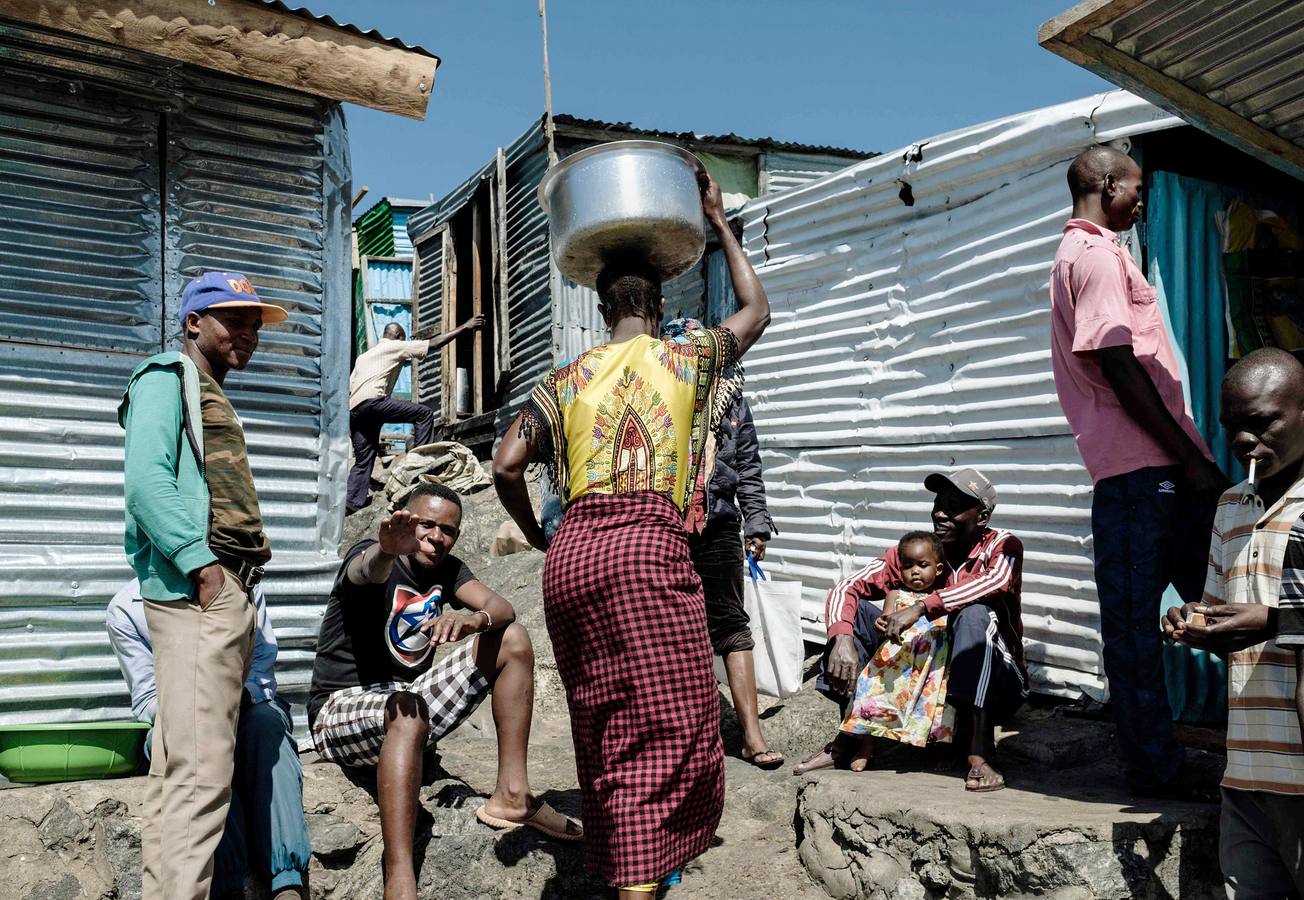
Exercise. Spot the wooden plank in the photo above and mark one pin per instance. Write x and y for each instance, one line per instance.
(250, 40)
(1072, 24)
(417, 395)
(449, 367)
(502, 327)
(477, 307)
(1177, 98)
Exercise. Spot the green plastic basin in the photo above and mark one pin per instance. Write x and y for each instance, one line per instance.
(73, 751)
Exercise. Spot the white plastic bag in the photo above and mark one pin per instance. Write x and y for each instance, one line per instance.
(774, 608)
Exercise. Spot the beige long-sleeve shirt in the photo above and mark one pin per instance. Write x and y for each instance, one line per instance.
(376, 370)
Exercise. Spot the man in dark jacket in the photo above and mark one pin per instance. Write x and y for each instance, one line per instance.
(736, 516)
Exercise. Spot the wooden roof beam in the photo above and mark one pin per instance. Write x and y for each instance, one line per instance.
(250, 40)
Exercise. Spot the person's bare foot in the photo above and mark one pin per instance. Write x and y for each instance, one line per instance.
(863, 756)
(290, 893)
(983, 777)
(504, 805)
(822, 758)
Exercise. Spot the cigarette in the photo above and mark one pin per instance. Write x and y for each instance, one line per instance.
(1250, 480)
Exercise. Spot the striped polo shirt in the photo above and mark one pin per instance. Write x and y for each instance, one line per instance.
(1264, 752)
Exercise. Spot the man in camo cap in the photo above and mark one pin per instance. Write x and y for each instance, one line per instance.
(195, 539)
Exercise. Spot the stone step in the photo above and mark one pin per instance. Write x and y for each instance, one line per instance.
(1066, 834)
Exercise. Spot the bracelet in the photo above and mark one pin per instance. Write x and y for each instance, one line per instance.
(489, 620)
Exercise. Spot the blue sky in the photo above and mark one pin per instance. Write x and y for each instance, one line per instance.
(867, 74)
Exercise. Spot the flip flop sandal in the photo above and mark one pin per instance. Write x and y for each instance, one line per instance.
(543, 819)
(975, 778)
(774, 762)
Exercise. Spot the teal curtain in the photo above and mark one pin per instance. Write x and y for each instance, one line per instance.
(1185, 262)
(1184, 256)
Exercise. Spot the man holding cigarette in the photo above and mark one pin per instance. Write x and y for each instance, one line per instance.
(1253, 613)
(1156, 485)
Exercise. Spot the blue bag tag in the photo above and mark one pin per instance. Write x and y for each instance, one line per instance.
(754, 569)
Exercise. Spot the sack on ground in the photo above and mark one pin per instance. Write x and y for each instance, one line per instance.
(444, 462)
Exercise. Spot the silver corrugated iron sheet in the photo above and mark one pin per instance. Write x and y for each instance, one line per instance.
(428, 309)
(785, 169)
(257, 181)
(913, 336)
(81, 232)
(1232, 67)
(529, 307)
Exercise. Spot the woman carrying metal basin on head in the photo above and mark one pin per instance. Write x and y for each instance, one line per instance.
(622, 430)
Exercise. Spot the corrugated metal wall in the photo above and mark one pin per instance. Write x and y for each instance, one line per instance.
(402, 243)
(257, 181)
(910, 336)
(785, 170)
(427, 310)
(529, 300)
(389, 279)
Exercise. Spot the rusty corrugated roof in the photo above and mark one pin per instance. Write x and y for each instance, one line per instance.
(762, 143)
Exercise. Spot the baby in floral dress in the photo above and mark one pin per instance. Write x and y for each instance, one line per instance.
(901, 692)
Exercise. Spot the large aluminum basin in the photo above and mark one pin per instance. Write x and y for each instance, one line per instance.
(620, 199)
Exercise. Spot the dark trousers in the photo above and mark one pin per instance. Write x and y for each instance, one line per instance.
(718, 559)
(365, 421)
(1149, 531)
(866, 639)
(981, 672)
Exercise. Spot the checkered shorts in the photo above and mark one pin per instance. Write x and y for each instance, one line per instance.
(350, 726)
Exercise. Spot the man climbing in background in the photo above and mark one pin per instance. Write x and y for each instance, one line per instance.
(371, 407)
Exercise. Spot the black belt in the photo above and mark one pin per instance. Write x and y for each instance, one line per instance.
(248, 573)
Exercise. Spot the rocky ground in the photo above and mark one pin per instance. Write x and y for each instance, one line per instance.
(1063, 829)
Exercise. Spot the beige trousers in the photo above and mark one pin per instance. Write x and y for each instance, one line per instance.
(201, 660)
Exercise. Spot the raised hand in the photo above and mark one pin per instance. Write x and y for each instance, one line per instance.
(398, 535)
(712, 200)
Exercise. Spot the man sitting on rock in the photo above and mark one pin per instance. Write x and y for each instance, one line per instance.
(983, 575)
(380, 698)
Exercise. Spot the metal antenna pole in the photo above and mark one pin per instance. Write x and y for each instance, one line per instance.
(547, 87)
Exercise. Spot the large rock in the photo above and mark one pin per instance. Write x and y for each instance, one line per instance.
(893, 834)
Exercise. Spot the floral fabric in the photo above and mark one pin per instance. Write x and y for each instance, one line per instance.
(630, 417)
(901, 692)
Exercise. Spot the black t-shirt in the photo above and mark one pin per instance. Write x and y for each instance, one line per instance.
(371, 633)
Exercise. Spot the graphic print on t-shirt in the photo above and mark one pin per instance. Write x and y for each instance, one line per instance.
(408, 611)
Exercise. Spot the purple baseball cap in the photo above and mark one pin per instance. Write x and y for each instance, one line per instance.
(223, 290)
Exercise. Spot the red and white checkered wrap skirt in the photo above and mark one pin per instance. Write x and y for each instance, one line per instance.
(627, 620)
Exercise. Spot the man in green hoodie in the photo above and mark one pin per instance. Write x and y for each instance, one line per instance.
(195, 539)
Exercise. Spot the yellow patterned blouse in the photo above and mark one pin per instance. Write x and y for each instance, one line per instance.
(632, 416)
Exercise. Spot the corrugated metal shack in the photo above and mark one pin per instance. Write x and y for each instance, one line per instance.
(911, 332)
(382, 285)
(123, 174)
(485, 246)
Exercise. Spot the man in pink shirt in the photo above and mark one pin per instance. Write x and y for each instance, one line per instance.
(1156, 485)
